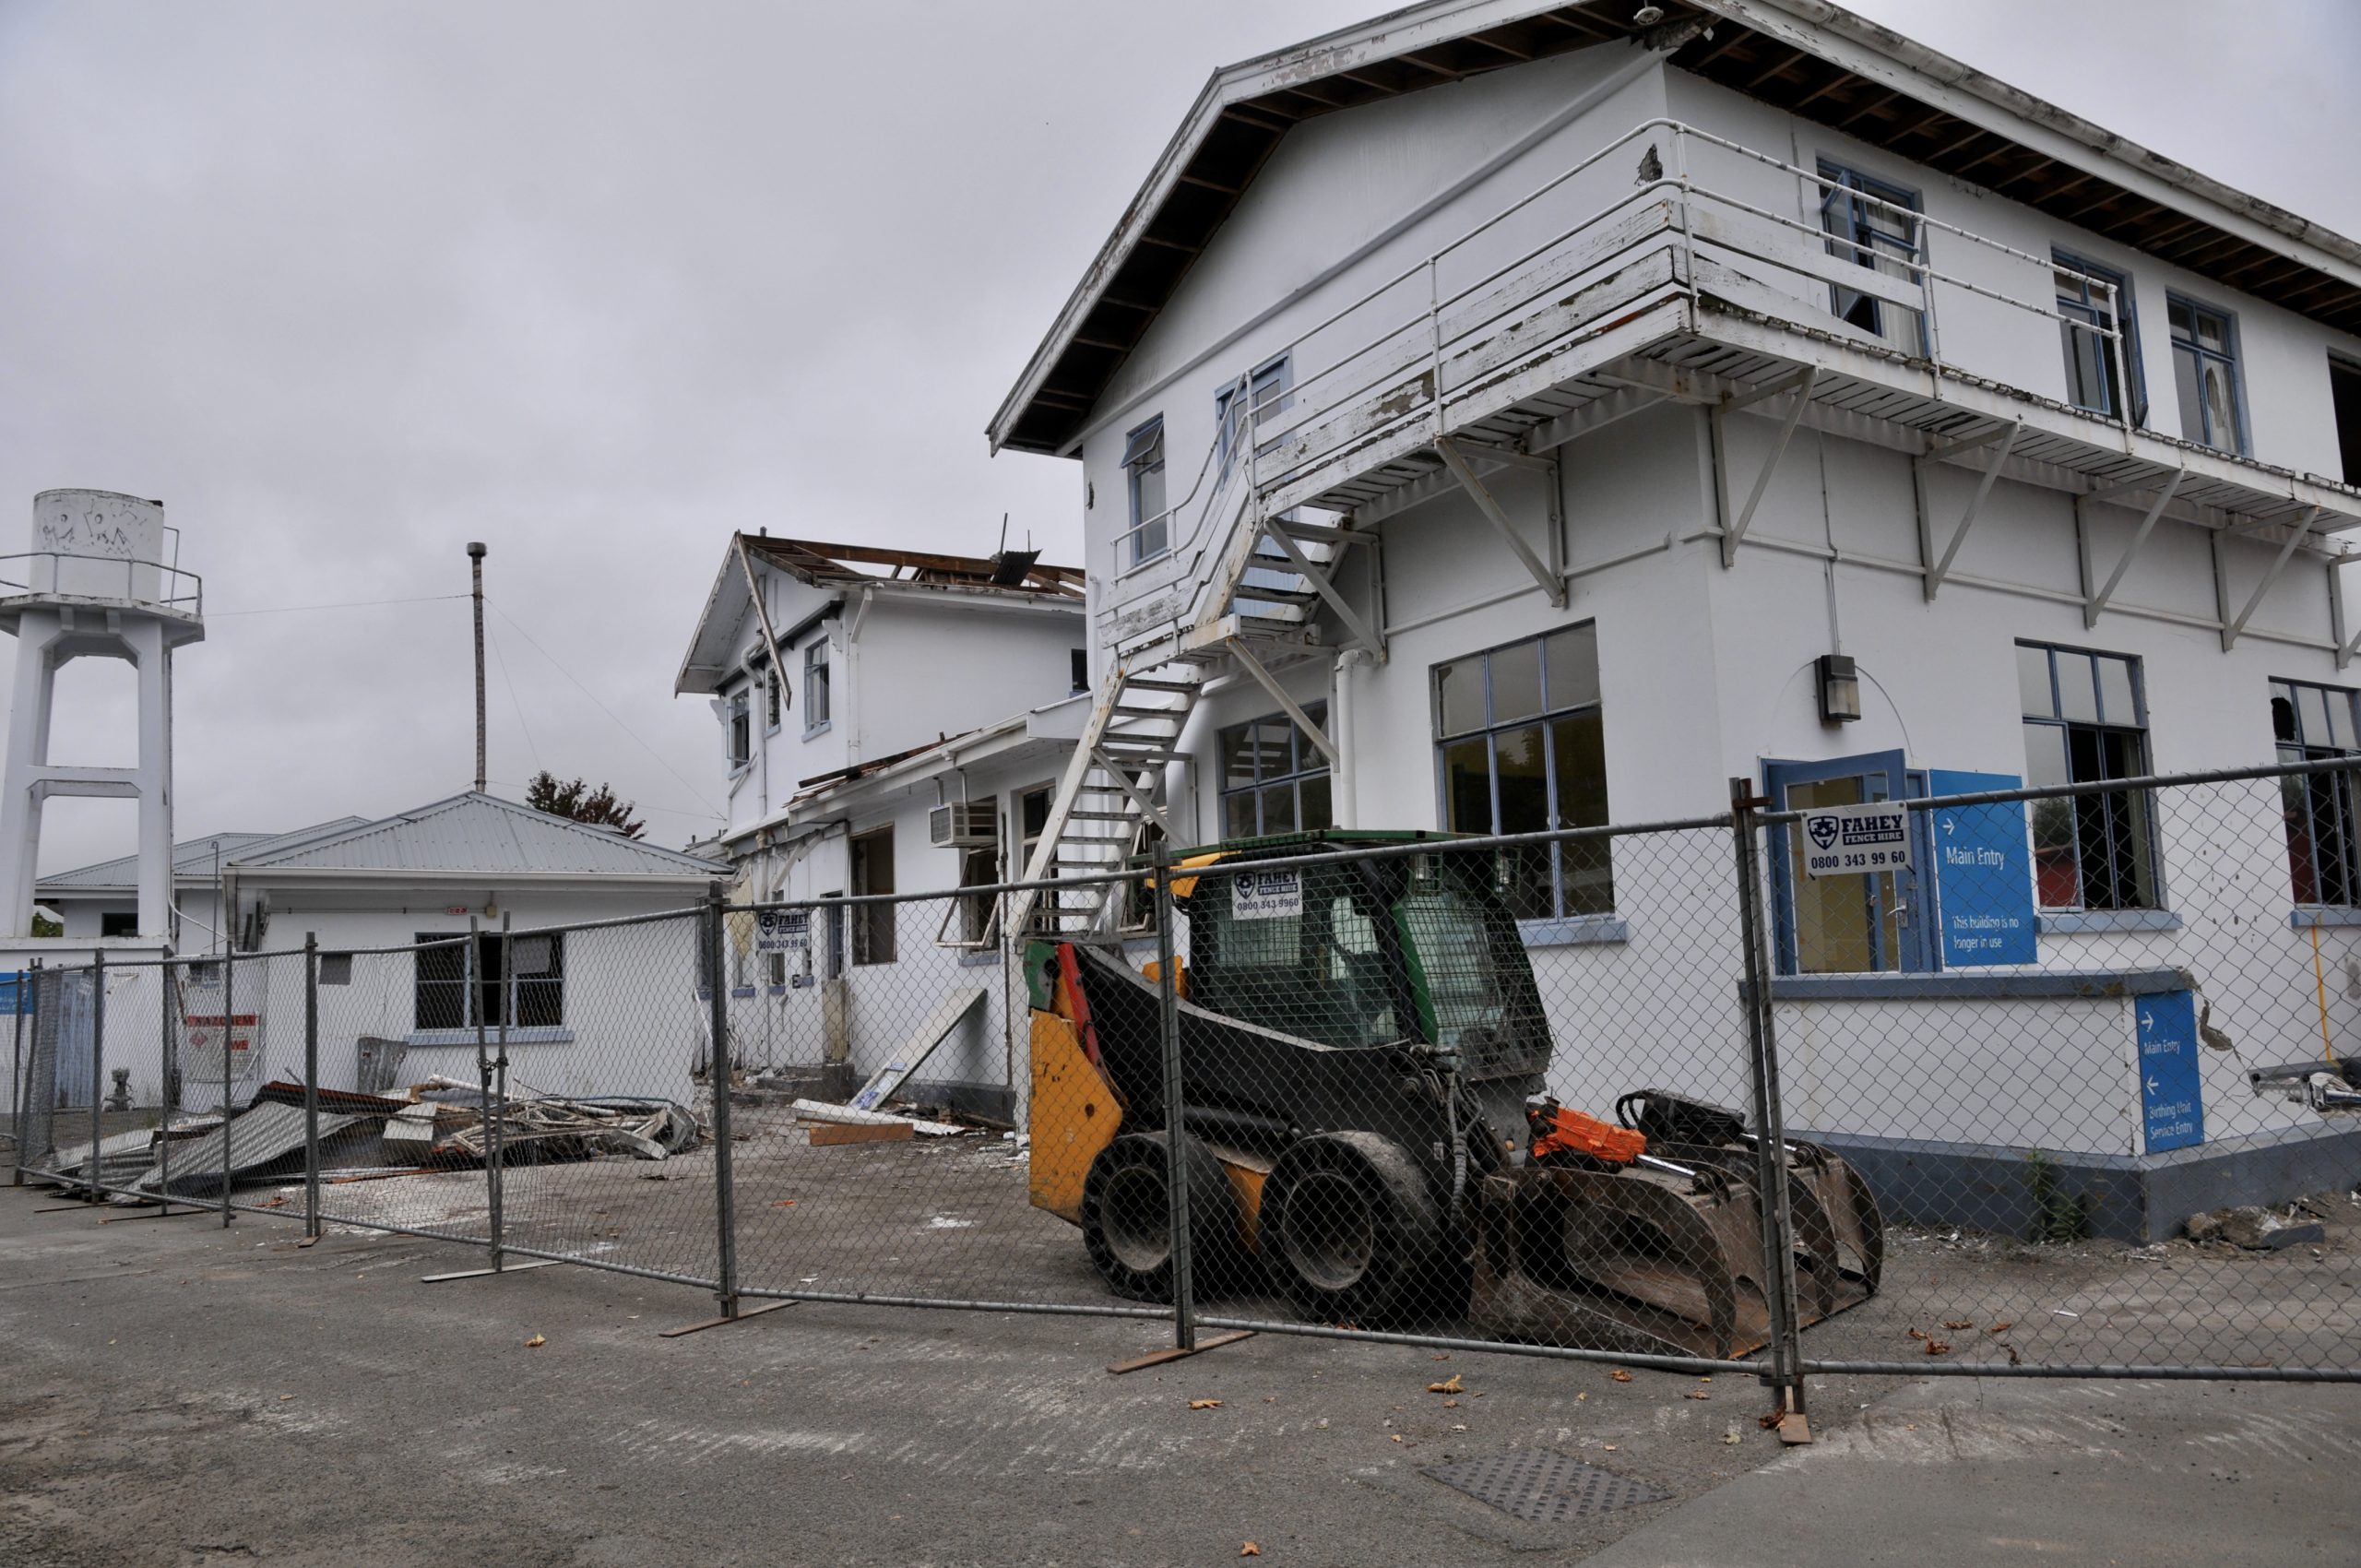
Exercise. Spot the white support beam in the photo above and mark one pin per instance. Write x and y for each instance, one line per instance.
(1288, 704)
(1734, 533)
(1944, 451)
(1936, 570)
(2336, 612)
(1121, 774)
(2295, 536)
(1311, 572)
(2098, 601)
(1802, 378)
(2136, 486)
(1506, 456)
(1551, 583)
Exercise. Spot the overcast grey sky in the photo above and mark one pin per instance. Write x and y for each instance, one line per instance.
(349, 285)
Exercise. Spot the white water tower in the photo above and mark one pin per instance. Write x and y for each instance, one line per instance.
(102, 581)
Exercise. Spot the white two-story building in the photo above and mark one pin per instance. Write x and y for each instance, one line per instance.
(1506, 416)
(891, 721)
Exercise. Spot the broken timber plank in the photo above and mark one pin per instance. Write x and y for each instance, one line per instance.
(826, 1132)
(517, 1268)
(917, 1048)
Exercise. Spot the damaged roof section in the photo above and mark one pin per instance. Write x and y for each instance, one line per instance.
(1009, 578)
(1808, 57)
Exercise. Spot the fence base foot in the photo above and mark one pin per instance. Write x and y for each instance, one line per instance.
(1159, 1357)
(1795, 1429)
(82, 1208)
(486, 1273)
(154, 1213)
(743, 1313)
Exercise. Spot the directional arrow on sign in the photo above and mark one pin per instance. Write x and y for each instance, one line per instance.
(2147, 1021)
(1951, 826)
(2153, 1085)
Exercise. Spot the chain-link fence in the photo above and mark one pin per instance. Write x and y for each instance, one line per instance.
(1877, 1072)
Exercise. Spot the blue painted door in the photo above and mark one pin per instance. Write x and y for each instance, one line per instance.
(1835, 925)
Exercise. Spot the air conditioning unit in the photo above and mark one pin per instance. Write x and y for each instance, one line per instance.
(962, 825)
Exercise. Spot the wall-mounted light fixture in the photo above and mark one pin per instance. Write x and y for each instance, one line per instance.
(1840, 688)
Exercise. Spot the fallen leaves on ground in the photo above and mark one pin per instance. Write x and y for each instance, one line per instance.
(2014, 1359)
(1938, 1347)
(1620, 1376)
(1249, 1549)
(1448, 1386)
(1696, 1394)
(1958, 1322)
(784, 1203)
(1771, 1423)
(1730, 1436)
(2001, 1328)
(1204, 1404)
(536, 1342)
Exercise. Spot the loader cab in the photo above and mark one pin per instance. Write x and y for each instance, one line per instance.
(1402, 948)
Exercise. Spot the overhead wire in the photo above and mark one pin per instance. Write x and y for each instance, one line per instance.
(694, 793)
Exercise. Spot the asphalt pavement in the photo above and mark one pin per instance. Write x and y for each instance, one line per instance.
(179, 1394)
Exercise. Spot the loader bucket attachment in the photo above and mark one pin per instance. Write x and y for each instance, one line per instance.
(1840, 1239)
(1631, 1260)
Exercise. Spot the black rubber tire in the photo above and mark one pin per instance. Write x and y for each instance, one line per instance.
(1126, 1225)
(1348, 1227)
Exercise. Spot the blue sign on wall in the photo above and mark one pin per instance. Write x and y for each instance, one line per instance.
(1983, 874)
(2172, 1105)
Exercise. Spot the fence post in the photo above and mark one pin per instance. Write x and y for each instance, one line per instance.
(17, 1089)
(311, 1083)
(471, 974)
(495, 1145)
(229, 1035)
(168, 1056)
(97, 1063)
(717, 1067)
(1176, 1164)
(1785, 1372)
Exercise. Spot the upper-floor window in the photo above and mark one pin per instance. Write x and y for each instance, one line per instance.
(1875, 225)
(2317, 724)
(1523, 750)
(1151, 531)
(1274, 779)
(2345, 397)
(2085, 722)
(816, 684)
(737, 727)
(1081, 669)
(2205, 370)
(1252, 401)
(2093, 302)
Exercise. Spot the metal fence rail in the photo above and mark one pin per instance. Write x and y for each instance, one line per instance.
(2048, 1082)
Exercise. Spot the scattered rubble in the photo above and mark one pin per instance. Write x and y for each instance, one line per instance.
(2257, 1230)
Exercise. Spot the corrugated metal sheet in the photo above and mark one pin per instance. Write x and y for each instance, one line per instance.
(191, 858)
(266, 1132)
(480, 834)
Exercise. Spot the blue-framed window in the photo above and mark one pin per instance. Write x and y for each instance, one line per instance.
(2205, 373)
(1873, 224)
(2315, 723)
(1257, 398)
(1274, 779)
(2085, 722)
(2088, 313)
(1151, 531)
(816, 684)
(1521, 748)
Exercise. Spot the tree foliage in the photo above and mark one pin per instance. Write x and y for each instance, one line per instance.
(582, 803)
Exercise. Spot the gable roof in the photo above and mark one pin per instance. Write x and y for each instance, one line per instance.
(193, 859)
(477, 836)
(1018, 578)
(1805, 56)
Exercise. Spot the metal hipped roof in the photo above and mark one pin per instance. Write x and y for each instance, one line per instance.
(193, 859)
(480, 836)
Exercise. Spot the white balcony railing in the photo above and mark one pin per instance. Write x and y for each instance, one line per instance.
(1665, 213)
(69, 575)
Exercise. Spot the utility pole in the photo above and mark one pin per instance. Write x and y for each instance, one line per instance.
(475, 565)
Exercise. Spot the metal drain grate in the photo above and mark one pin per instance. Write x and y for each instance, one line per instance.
(1544, 1488)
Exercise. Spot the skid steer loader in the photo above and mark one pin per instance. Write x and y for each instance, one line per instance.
(1365, 1127)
